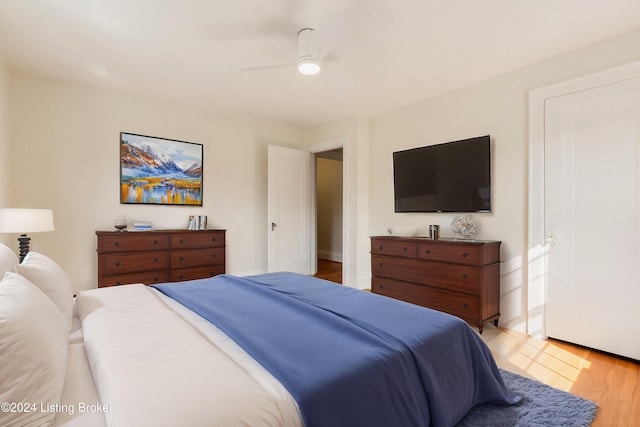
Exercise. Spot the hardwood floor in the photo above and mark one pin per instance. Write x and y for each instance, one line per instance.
(329, 270)
(612, 383)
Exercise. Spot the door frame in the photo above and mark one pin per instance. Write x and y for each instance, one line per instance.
(537, 241)
(331, 144)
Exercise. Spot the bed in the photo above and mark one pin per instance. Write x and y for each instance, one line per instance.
(278, 349)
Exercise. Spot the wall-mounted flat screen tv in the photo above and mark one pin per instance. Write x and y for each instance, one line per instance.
(450, 177)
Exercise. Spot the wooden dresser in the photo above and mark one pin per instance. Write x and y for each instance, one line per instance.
(159, 256)
(459, 277)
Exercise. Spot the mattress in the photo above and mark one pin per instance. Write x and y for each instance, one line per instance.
(350, 357)
(152, 367)
(151, 360)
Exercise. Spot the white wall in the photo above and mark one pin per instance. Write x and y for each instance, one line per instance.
(499, 107)
(65, 156)
(4, 147)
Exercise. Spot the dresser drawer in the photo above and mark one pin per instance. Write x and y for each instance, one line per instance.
(460, 277)
(462, 305)
(197, 257)
(449, 276)
(456, 253)
(134, 262)
(196, 273)
(147, 277)
(392, 247)
(159, 256)
(197, 239)
(132, 241)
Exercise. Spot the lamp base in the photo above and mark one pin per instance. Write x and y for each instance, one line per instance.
(23, 245)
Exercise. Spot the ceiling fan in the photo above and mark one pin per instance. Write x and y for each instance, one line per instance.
(313, 46)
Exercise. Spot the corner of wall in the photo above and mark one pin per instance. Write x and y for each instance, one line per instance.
(4, 132)
(4, 139)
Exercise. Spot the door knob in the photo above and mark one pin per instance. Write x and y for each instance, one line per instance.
(273, 226)
(551, 239)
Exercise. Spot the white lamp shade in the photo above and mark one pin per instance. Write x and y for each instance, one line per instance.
(25, 220)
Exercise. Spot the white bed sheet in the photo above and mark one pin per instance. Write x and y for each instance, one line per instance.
(75, 334)
(204, 379)
(286, 403)
(79, 396)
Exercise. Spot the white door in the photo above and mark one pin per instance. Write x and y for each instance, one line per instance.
(592, 217)
(289, 210)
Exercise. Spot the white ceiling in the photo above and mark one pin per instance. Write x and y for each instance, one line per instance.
(393, 53)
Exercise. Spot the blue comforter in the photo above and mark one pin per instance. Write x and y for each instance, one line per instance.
(351, 358)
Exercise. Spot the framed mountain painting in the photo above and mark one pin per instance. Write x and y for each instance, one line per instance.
(159, 171)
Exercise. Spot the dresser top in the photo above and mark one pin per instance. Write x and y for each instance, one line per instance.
(155, 230)
(424, 239)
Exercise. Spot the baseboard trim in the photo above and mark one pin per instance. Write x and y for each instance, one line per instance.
(330, 255)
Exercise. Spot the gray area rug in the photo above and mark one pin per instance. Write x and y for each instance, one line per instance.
(541, 405)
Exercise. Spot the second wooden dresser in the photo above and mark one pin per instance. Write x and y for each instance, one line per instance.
(159, 256)
(459, 277)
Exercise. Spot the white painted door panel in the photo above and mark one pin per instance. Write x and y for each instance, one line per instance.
(289, 209)
(592, 217)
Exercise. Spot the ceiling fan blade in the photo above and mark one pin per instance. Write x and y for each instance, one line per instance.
(265, 67)
(314, 44)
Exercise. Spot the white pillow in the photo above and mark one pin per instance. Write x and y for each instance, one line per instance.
(8, 259)
(33, 352)
(43, 272)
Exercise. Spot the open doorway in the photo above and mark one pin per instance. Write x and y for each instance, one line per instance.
(329, 214)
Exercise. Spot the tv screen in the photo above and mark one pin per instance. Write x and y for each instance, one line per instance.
(450, 177)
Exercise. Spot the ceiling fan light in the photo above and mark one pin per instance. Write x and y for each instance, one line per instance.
(309, 66)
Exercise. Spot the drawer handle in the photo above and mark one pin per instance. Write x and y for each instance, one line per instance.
(381, 286)
(464, 305)
(181, 241)
(380, 247)
(180, 259)
(428, 252)
(118, 283)
(464, 276)
(155, 260)
(213, 255)
(155, 279)
(405, 249)
(117, 263)
(213, 239)
(380, 264)
(464, 255)
(117, 244)
(155, 242)
(180, 277)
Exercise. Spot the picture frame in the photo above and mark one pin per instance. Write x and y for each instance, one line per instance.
(160, 171)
